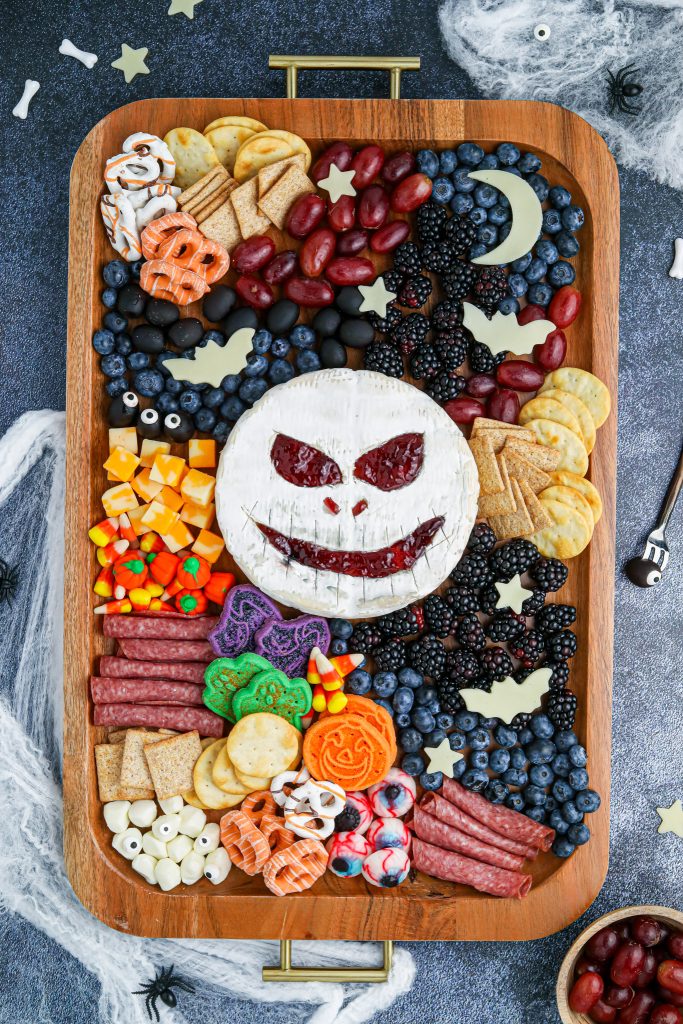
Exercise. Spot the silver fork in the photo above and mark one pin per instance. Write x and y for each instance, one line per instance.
(656, 553)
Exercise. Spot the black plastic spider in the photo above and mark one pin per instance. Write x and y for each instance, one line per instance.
(161, 987)
(622, 90)
(9, 581)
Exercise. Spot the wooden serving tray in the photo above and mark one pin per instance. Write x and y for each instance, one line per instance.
(573, 155)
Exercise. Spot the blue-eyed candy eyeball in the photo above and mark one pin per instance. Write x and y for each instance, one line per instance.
(386, 868)
(128, 843)
(356, 815)
(394, 795)
(145, 865)
(387, 833)
(347, 852)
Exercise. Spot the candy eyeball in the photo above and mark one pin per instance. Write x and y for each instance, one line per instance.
(192, 821)
(386, 868)
(153, 846)
(167, 874)
(389, 833)
(191, 867)
(116, 815)
(347, 852)
(179, 848)
(208, 839)
(128, 843)
(394, 795)
(542, 32)
(217, 866)
(166, 827)
(145, 864)
(356, 815)
(142, 813)
(149, 424)
(178, 427)
(172, 805)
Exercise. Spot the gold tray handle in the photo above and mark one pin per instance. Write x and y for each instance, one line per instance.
(394, 65)
(336, 975)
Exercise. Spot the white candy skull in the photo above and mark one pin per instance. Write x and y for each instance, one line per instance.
(346, 493)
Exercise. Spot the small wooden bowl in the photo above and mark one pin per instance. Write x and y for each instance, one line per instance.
(565, 979)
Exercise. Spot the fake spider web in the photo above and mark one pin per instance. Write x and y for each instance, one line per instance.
(33, 882)
(493, 41)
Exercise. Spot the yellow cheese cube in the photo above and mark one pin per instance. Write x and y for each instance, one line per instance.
(201, 454)
(150, 449)
(197, 516)
(179, 537)
(170, 498)
(198, 488)
(208, 545)
(135, 515)
(159, 517)
(119, 499)
(122, 464)
(146, 488)
(168, 469)
(123, 437)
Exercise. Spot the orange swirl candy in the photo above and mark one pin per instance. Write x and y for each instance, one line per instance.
(348, 750)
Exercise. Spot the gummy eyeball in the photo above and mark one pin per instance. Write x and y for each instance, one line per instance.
(347, 852)
(356, 815)
(166, 827)
(208, 839)
(116, 815)
(217, 866)
(179, 848)
(128, 843)
(389, 833)
(145, 864)
(394, 795)
(142, 813)
(386, 868)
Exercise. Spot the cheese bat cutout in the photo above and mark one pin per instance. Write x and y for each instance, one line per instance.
(509, 698)
(214, 362)
(527, 217)
(502, 333)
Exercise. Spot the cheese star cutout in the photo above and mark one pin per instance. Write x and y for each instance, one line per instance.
(672, 819)
(338, 183)
(512, 595)
(185, 7)
(442, 758)
(131, 62)
(376, 297)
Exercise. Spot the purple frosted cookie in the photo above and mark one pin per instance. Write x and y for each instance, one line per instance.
(287, 643)
(246, 610)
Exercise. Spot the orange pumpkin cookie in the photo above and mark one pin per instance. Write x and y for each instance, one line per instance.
(348, 750)
(159, 231)
(373, 713)
(295, 868)
(246, 845)
(259, 804)
(273, 828)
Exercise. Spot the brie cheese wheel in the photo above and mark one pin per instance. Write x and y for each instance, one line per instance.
(346, 493)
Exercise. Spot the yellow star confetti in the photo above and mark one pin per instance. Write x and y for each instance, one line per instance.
(131, 62)
(442, 758)
(185, 7)
(672, 819)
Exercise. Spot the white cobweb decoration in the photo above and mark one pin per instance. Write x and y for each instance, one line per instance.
(493, 41)
(33, 881)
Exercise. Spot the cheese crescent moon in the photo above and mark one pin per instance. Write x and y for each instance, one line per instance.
(527, 217)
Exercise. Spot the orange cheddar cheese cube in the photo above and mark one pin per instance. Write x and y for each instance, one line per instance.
(149, 450)
(208, 545)
(118, 499)
(123, 437)
(198, 488)
(168, 469)
(195, 515)
(179, 537)
(201, 454)
(159, 518)
(170, 498)
(146, 488)
(122, 463)
(135, 515)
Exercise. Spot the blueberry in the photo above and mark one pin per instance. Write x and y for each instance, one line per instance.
(562, 791)
(552, 222)
(561, 273)
(166, 403)
(528, 163)
(359, 682)
(478, 739)
(469, 153)
(114, 322)
(498, 214)
(536, 270)
(385, 684)
(461, 204)
(459, 768)
(448, 161)
(116, 274)
(148, 383)
(232, 408)
(571, 812)
(257, 365)
(425, 694)
(564, 739)
(280, 347)
(427, 162)
(542, 775)
(109, 298)
(542, 727)
(402, 720)
(518, 285)
(578, 834)
(567, 245)
(431, 780)
(475, 779)
(462, 181)
(434, 706)
(487, 235)
(540, 186)
(124, 344)
(587, 801)
(251, 390)
(489, 723)
(221, 432)
(444, 720)
(547, 250)
(403, 698)
(173, 386)
(477, 215)
(515, 801)
(212, 335)
(230, 384)
(135, 269)
(262, 341)
(541, 751)
(504, 230)
(386, 705)
(116, 386)
(138, 361)
(490, 162)
(205, 420)
(572, 218)
(280, 371)
(212, 398)
(505, 737)
(302, 336)
(190, 401)
(410, 740)
(525, 736)
(307, 361)
(442, 190)
(478, 759)
(457, 741)
(103, 342)
(499, 761)
(413, 764)
(556, 821)
(475, 251)
(540, 294)
(496, 791)
(550, 802)
(559, 197)
(485, 196)
(113, 365)
(534, 796)
(508, 154)
(518, 758)
(562, 847)
(515, 777)
(560, 764)
(423, 719)
(535, 813)
(521, 264)
(578, 778)
(341, 628)
(578, 756)
(466, 720)
(434, 738)
(409, 677)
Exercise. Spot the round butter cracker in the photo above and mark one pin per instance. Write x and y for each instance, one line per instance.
(223, 774)
(584, 487)
(237, 119)
(573, 498)
(586, 386)
(295, 141)
(567, 535)
(204, 787)
(542, 408)
(226, 141)
(193, 154)
(580, 410)
(257, 152)
(573, 454)
(262, 745)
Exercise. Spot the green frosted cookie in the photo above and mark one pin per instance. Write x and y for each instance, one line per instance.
(273, 692)
(225, 676)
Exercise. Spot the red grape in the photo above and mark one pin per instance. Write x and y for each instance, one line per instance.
(339, 153)
(647, 972)
(367, 163)
(317, 251)
(350, 270)
(531, 312)
(254, 292)
(564, 306)
(464, 409)
(398, 167)
(675, 945)
(618, 997)
(373, 207)
(670, 975)
(341, 215)
(585, 992)
(307, 291)
(646, 931)
(389, 236)
(627, 963)
(638, 1010)
(411, 193)
(481, 385)
(551, 353)
(583, 966)
(280, 268)
(352, 242)
(665, 1013)
(520, 375)
(603, 945)
(252, 254)
(304, 215)
(504, 406)
(667, 996)
(601, 1013)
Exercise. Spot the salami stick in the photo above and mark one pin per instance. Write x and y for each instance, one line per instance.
(166, 650)
(453, 867)
(160, 717)
(501, 819)
(438, 833)
(142, 691)
(158, 627)
(442, 809)
(184, 671)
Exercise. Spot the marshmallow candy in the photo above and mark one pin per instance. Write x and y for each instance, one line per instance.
(166, 827)
(153, 846)
(116, 815)
(208, 839)
(167, 874)
(192, 821)
(145, 864)
(217, 866)
(128, 843)
(173, 805)
(142, 813)
(179, 848)
(191, 867)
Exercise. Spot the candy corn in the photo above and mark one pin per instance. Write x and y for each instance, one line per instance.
(329, 677)
(319, 699)
(336, 702)
(140, 599)
(173, 588)
(157, 605)
(312, 675)
(151, 542)
(108, 555)
(104, 584)
(346, 663)
(126, 528)
(103, 533)
(114, 608)
(153, 589)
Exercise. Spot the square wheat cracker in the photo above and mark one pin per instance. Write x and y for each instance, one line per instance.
(537, 512)
(502, 503)
(514, 524)
(207, 183)
(222, 226)
(243, 201)
(490, 479)
(134, 770)
(521, 469)
(171, 762)
(543, 458)
(278, 199)
(269, 174)
(108, 758)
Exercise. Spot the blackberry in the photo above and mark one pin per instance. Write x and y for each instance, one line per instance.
(384, 357)
(504, 627)
(438, 615)
(495, 663)
(463, 665)
(561, 709)
(428, 656)
(462, 232)
(407, 259)
(562, 646)
(560, 674)
(555, 617)
(534, 603)
(528, 648)
(391, 656)
(521, 673)
(450, 696)
(512, 558)
(410, 331)
(400, 623)
(472, 570)
(451, 349)
(490, 287)
(431, 219)
(549, 573)
(459, 281)
(447, 315)
(482, 359)
(482, 538)
(444, 385)
(470, 633)
(439, 257)
(365, 637)
(462, 600)
(415, 291)
(393, 279)
(424, 362)
(520, 721)
(488, 600)
(385, 323)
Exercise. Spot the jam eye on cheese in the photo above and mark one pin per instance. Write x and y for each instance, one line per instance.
(301, 464)
(393, 464)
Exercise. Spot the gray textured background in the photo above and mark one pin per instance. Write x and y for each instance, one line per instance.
(224, 51)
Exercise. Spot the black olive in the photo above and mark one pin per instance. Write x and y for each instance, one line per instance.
(149, 424)
(131, 300)
(326, 322)
(218, 303)
(178, 426)
(332, 353)
(186, 333)
(281, 317)
(123, 409)
(349, 300)
(243, 317)
(161, 313)
(147, 339)
(356, 333)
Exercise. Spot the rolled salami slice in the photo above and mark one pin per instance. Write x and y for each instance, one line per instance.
(143, 691)
(453, 867)
(438, 833)
(184, 671)
(166, 650)
(502, 820)
(442, 809)
(158, 627)
(160, 717)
